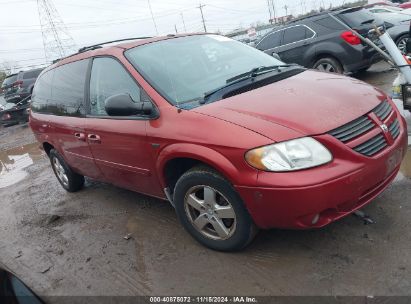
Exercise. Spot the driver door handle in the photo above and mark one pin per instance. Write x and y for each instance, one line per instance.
(94, 138)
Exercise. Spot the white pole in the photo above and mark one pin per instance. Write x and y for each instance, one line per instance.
(396, 55)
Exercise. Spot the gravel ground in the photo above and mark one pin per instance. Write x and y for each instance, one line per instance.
(63, 243)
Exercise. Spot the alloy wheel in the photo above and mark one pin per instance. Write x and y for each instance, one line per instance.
(210, 212)
(325, 67)
(402, 45)
(60, 171)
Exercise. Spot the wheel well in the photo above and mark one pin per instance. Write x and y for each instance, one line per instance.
(47, 147)
(175, 168)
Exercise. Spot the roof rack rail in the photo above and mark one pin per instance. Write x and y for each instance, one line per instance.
(99, 45)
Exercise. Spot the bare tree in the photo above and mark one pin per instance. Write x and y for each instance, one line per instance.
(8, 67)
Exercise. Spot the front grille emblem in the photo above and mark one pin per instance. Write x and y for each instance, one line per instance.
(384, 128)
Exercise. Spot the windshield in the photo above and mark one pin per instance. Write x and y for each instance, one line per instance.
(184, 69)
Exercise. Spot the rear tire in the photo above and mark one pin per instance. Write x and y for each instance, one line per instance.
(211, 210)
(70, 180)
(328, 64)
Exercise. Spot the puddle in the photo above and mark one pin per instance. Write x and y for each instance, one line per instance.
(13, 163)
(406, 164)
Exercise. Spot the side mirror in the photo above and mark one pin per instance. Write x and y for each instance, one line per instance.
(276, 56)
(123, 105)
(408, 47)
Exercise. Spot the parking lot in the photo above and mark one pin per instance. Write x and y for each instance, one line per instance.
(105, 240)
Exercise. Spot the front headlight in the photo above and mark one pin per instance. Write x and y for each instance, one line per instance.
(292, 155)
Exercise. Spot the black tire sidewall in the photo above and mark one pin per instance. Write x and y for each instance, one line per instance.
(75, 181)
(244, 224)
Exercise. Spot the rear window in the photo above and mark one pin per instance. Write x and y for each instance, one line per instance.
(357, 17)
(9, 80)
(61, 91)
(31, 74)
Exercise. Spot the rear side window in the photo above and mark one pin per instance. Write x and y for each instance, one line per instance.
(31, 74)
(295, 33)
(108, 78)
(68, 89)
(61, 91)
(270, 41)
(42, 92)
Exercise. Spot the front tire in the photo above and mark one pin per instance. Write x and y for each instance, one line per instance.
(70, 180)
(328, 64)
(211, 210)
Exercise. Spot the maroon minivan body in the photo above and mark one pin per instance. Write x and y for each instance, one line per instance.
(356, 123)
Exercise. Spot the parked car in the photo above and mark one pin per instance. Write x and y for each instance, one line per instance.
(232, 137)
(22, 86)
(322, 43)
(392, 18)
(385, 9)
(14, 113)
(405, 5)
(400, 35)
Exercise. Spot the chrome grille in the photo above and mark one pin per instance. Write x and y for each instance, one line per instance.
(372, 146)
(362, 125)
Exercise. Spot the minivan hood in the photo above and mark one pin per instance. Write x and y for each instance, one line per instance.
(306, 104)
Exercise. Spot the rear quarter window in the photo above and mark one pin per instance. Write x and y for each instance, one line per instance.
(42, 92)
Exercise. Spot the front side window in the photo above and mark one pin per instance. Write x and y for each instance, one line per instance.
(184, 69)
(108, 78)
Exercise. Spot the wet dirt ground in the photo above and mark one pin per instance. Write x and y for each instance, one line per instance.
(63, 243)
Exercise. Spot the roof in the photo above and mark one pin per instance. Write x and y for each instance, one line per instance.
(100, 49)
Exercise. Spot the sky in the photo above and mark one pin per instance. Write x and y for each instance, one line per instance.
(93, 21)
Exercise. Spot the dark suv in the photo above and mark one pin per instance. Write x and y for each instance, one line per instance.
(22, 86)
(322, 43)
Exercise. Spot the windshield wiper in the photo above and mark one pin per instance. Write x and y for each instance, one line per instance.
(244, 76)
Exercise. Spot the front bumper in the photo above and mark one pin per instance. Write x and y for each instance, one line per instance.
(316, 197)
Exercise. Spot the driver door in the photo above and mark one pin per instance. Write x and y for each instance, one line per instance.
(118, 144)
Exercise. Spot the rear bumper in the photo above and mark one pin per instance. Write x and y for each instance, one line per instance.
(326, 193)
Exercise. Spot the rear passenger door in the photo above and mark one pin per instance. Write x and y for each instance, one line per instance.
(118, 144)
(67, 119)
(296, 40)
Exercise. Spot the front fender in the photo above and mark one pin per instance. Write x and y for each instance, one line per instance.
(208, 156)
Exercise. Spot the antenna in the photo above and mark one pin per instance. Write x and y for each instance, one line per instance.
(57, 41)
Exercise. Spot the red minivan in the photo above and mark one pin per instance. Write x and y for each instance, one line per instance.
(235, 139)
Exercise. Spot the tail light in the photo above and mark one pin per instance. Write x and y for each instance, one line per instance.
(350, 38)
(6, 116)
(18, 84)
